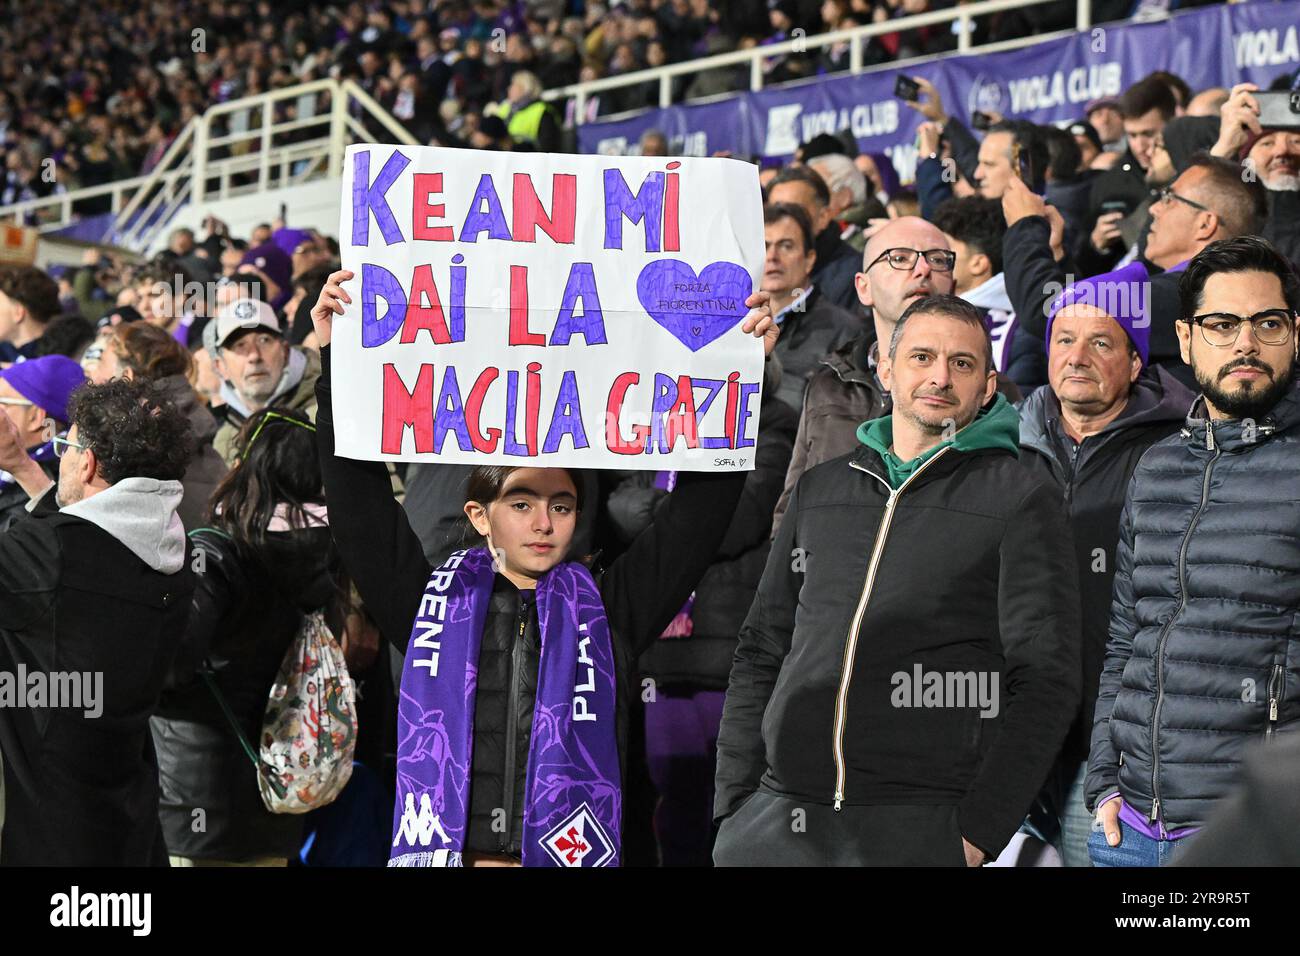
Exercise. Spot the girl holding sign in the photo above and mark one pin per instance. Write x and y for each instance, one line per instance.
(512, 718)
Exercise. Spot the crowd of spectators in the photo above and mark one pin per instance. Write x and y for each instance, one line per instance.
(1184, 198)
(94, 93)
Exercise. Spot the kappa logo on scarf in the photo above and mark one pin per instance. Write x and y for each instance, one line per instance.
(419, 828)
(579, 841)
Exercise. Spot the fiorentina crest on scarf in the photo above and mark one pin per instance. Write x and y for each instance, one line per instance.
(579, 840)
(573, 802)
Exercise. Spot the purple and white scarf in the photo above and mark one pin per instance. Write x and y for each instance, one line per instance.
(573, 802)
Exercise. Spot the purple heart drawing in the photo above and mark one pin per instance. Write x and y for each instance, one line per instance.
(695, 309)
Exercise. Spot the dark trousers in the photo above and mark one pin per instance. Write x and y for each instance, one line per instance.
(772, 830)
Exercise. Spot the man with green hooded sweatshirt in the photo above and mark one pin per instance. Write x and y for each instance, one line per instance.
(910, 664)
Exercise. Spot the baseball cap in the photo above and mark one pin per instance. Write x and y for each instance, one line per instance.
(123, 313)
(239, 316)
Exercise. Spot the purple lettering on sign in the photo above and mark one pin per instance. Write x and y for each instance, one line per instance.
(450, 416)
(567, 419)
(369, 197)
(491, 220)
(581, 288)
(665, 397)
(747, 391)
(378, 283)
(646, 206)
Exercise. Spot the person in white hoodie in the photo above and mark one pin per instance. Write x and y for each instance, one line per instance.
(974, 227)
(94, 596)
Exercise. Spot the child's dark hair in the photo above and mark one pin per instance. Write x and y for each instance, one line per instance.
(486, 481)
(278, 467)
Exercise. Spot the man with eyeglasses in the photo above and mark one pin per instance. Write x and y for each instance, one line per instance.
(95, 591)
(905, 261)
(34, 397)
(1200, 666)
(258, 367)
(1209, 201)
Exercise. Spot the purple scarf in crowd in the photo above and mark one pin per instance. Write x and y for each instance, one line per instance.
(573, 803)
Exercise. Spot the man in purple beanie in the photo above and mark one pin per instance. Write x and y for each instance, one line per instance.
(304, 247)
(1085, 432)
(273, 266)
(32, 394)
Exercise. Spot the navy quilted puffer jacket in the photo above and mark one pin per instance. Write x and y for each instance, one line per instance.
(1204, 655)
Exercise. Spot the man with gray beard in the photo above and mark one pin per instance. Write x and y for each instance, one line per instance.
(1269, 154)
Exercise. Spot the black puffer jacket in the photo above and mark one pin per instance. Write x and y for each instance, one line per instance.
(245, 614)
(642, 590)
(1093, 477)
(1282, 228)
(1204, 654)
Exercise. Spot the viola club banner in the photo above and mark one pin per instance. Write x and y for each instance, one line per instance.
(1046, 83)
(556, 310)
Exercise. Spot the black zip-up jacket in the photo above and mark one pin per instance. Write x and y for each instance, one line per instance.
(642, 590)
(1092, 478)
(973, 572)
(1204, 653)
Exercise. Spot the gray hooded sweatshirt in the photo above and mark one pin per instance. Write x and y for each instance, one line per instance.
(140, 513)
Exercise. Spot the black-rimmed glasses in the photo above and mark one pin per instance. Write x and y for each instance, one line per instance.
(1270, 327)
(904, 260)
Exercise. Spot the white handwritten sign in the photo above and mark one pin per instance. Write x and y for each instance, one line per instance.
(553, 310)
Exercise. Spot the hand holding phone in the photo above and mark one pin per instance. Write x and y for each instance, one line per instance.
(906, 88)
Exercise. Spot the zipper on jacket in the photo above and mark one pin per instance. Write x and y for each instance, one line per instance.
(512, 720)
(1275, 681)
(851, 644)
(1160, 641)
(1074, 469)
